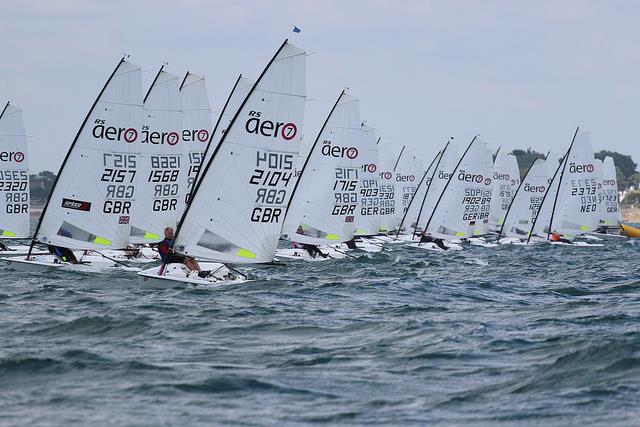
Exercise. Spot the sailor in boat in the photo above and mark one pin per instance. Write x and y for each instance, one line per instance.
(62, 253)
(313, 250)
(428, 238)
(555, 237)
(168, 255)
(351, 244)
(131, 252)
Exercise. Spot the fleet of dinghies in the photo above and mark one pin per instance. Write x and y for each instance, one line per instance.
(247, 190)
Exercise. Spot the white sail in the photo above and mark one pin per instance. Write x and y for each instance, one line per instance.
(524, 207)
(387, 187)
(161, 182)
(443, 171)
(464, 206)
(368, 218)
(14, 170)
(237, 95)
(554, 166)
(324, 207)
(609, 211)
(90, 204)
(506, 179)
(406, 178)
(196, 125)
(576, 207)
(237, 210)
(482, 227)
(409, 221)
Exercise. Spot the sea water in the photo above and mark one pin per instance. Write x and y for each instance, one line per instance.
(538, 335)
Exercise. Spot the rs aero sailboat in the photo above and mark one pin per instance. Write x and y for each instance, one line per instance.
(92, 197)
(14, 187)
(237, 209)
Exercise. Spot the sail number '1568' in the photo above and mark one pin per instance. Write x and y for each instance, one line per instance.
(164, 175)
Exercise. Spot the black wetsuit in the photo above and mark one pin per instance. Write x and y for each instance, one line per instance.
(351, 244)
(65, 254)
(167, 255)
(430, 239)
(313, 250)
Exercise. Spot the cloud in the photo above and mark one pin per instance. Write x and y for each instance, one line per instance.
(521, 74)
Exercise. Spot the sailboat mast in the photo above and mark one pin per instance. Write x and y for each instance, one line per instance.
(424, 199)
(215, 129)
(217, 149)
(306, 161)
(506, 215)
(426, 227)
(66, 158)
(399, 156)
(413, 196)
(555, 200)
(548, 188)
(4, 109)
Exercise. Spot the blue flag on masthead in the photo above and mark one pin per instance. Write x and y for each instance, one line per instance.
(296, 29)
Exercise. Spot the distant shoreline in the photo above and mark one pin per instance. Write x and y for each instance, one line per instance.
(631, 214)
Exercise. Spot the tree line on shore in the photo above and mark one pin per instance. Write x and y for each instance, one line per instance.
(42, 182)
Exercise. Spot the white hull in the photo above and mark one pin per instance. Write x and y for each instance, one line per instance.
(478, 241)
(43, 263)
(362, 245)
(404, 238)
(604, 236)
(303, 255)
(176, 276)
(579, 244)
(430, 246)
(143, 256)
(20, 250)
(513, 241)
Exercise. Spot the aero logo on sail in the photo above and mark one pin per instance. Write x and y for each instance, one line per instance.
(193, 135)
(573, 168)
(111, 133)
(405, 178)
(11, 156)
(469, 177)
(533, 189)
(335, 151)
(268, 128)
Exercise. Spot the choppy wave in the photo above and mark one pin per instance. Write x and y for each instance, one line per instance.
(512, 335)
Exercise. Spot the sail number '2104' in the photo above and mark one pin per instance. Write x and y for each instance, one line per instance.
(271, 176)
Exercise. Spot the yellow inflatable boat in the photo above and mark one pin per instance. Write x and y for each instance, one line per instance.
(629, 231)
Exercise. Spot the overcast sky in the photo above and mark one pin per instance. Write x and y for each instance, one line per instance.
(522, 74)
